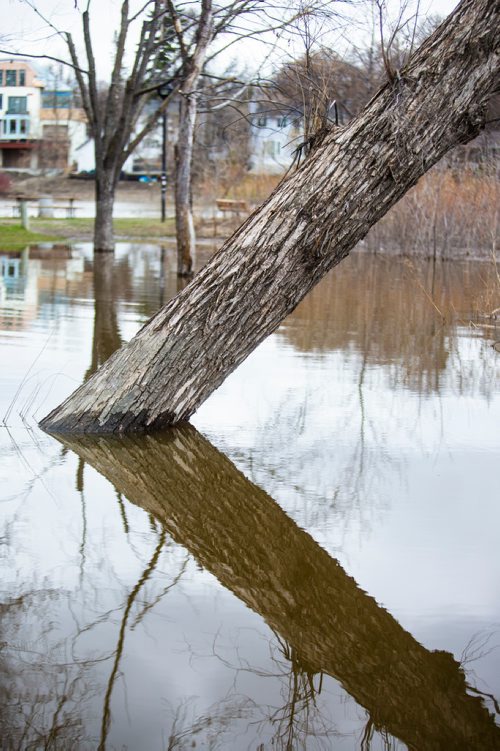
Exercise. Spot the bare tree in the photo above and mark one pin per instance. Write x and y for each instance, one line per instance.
(114, 125)
(173, 48)
(233, 21)
(193, 56)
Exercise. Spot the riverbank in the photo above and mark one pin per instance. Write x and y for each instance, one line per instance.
(449, 214)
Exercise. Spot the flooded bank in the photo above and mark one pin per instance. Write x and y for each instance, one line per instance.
(313, 565)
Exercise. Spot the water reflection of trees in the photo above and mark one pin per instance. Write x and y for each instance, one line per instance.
(57, 693)
(329, 625)
(54, 690)
(401, 315)
(60, 710)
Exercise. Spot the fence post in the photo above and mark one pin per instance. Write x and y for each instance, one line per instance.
(25, 220)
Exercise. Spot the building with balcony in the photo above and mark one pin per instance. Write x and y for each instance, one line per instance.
(41, 122)
(20, 104)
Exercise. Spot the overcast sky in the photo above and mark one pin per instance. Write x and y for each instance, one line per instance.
(25, 31)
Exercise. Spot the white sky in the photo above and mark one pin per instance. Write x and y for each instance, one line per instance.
(24, 31)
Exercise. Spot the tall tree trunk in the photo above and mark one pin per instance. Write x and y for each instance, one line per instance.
(310, 223)
(303, 594)
(105, 187)
(184, 224)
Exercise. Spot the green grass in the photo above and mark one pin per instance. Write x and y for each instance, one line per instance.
(129, 228)
(78, 228)
(13, 236)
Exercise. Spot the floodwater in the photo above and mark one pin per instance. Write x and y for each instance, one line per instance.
(314, 564)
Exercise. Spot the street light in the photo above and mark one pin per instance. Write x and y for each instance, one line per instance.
(164, 91)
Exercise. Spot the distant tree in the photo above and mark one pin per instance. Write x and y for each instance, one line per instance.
(321, 87)
(222, 143)
(233, 21)
(173, 48)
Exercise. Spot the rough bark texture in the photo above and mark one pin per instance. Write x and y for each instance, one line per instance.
(310, 223)
(238, 533)
(104, 200)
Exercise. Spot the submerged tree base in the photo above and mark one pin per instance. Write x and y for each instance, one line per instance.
(309, 224)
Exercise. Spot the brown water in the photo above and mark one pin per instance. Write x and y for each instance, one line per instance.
(313, 565)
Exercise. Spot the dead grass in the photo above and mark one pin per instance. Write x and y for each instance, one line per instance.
(447, 213)
(251, 188)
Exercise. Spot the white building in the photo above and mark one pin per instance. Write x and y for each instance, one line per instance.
(274, 137)
(40, 126)
(20, 126)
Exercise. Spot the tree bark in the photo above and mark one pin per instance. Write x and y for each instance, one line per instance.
(238, 533)
(105, 187)
(309, 224)
(184, 223)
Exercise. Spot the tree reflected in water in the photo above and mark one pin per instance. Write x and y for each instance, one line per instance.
(66, 649)
(236, 531)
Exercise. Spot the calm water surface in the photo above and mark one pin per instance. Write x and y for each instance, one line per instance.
(313, 565)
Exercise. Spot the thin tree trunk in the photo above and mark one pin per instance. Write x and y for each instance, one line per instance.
(310, 223)
(184, 224)
(105, 187)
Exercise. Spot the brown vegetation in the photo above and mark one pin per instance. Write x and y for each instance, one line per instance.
(448, 213)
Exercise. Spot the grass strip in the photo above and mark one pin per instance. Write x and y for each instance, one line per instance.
(13, 236)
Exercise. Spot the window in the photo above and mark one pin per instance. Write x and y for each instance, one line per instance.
(23, 127)
(12, 127)
(262, 121)
(1, 77)
(282, 122)
(22, 78)
(18, 105)
(10, 77)
(1, 102)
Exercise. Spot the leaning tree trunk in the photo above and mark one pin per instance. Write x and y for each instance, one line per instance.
(310, 223)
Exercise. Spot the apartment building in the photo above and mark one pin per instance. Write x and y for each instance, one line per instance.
(41, 125)
(20, 126)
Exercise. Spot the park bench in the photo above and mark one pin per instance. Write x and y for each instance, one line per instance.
(45, 204)
(228, 205)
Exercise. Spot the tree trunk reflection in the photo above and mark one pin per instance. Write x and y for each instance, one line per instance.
(237, 532)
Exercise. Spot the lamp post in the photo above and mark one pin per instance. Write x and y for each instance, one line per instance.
(164, 91)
